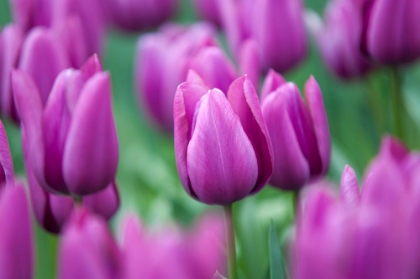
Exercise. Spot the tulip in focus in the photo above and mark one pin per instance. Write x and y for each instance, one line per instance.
(339, 38)
(280, 40)
(16, 237)
(72, 142)
(299, 132)
(391, 30)
(139, 15)
(163, 61)
(223, 150)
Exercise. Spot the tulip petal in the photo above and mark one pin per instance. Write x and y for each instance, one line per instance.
(6, 165)
(272, 81)
(250, 61)
(393, 148)
(11, 39)
(43, 57)
(349, 188)
(193, 77)
(29, 105)
(104, 203)
(16, 238)
(291, 169)
(245, 103)
(318, 114)
(186, 98)
(91, 151)
(212, 65)
(221, 161)
(91, 67)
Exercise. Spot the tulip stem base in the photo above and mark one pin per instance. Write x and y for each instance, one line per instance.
(230, 237)
(397, 103)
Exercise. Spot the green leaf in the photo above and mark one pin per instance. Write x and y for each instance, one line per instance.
(277, 268)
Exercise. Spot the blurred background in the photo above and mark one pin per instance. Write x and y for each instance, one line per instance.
(147, 175)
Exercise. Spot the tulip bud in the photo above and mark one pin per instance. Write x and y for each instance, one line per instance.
(11, 40)
(16, 238)
(30, 13)
(87, 249)
(138, 15)
(208, 10)
(299, 133)
(223, 151)
(350, 194)
(72, 143)
(391, 30)
(281, 40)
(163, 63)
(339, 38)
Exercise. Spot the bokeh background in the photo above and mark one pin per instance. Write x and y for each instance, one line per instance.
(147, 175)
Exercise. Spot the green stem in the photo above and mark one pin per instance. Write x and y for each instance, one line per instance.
(375, 105)
(231, 249)
(397, 103)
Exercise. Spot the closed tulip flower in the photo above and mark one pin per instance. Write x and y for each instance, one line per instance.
(138, 15)
(16, 236)
(72, 142)
(281, 39)
(299, 133)
(391, 30)
(30, 13)
(87, 249)
(223, 149)
(339, 38)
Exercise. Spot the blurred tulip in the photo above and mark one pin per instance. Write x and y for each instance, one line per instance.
(163, 61)
(11, 39)
(281, 40)
(299, 132)
(208, 10)
(138, 15)
(72, 143)
(391, 30)
(223, 150)
(30, 13)
(339, 38)
(87, 249)
(187, 255)
(349, 187)
(16, 237)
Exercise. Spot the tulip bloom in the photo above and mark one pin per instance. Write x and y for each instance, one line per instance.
(299, 132)
(163, 63)
(391, 30)
(223, 150)
(208, 10)
(16, 237)
(138, 15)
(281, 39)
(87, 249)
(72, 143)
(339, 38)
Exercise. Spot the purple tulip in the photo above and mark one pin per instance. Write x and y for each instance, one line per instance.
(281, 39)
(87, 249)
(187, 255)
(391, 30)
(11, 40)
(163, 61)
(138, 15)
(208, 10)
(16, 238)
(349, 187)
(30, 13)
(72, 143)
(339, 39)
(299, 132)
(223, 150)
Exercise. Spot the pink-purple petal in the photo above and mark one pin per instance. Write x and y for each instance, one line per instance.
(349, 188)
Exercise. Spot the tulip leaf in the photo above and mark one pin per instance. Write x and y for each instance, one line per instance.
(277, 268)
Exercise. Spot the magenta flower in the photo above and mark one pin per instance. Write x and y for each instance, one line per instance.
(138, 15)
(208, 10)
(163, 61)
(30, 13)
(299, 132)
(223, 150)
(391, 30)
(339, 38)
(72, 142)
(281, 40)
(16, 237)
(87, 249)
